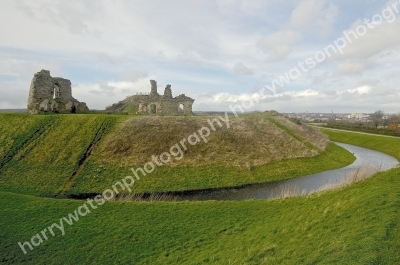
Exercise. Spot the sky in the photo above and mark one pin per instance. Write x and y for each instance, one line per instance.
(222, 53)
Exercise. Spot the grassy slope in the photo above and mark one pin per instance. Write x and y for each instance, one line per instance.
(94, 179)
(354, 225)
(390, 146)
(46, 161)
(379, 143)
(17, 131)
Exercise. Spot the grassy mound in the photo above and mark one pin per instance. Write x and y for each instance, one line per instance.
(252, 139)
(96, 177)
(59, 155)
(358, 224)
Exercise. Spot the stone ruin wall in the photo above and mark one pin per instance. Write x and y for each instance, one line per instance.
(48, 94)
(156, 104)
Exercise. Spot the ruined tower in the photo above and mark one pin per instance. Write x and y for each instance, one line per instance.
(48, 94)
(168, 92)
(153, 91)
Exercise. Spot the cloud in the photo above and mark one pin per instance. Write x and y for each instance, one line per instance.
(103, 88)
(369, 81)
(15, 94)
(108, 59)
(377, 40)
(330, 92)
(306, 13)
(120, 41)
(188, 59)
(17, 68)
(313, 14)
(391, 75)
(74, 17)
(350, 68)
(134, 74)
(360, 97)
(321, 79)
(241, 69)
(107, 92)
(360, 90)
(278, 44)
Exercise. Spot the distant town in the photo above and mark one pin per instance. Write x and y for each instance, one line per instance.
(324, 117)
(316, 117)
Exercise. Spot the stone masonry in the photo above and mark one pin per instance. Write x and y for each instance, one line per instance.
(52, 94)
(156, 104)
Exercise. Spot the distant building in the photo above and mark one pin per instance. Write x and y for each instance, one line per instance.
(357, 116)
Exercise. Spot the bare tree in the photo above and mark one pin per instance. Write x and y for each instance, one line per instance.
(394, 117)
(377, 117)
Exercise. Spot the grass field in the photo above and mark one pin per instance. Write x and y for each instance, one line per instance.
(17, 131)
(58, 155)
(379, 143)
(55, 146)
(355, 225)
(358, 224)
(95, 179)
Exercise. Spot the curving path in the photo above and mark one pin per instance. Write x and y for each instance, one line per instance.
(367, 163)
(340, 130)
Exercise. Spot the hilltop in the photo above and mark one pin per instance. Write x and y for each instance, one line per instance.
(251, 140)
(57, 155)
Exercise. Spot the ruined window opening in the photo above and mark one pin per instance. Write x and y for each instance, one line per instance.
(153, 109)
(56, 91)
(181, 108)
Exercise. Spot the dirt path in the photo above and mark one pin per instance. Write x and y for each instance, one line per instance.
(339, 130)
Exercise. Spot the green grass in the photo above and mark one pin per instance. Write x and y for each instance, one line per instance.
(358, 224)
(94, 179)
(291, 133)
(45, 154)
(379, 143)
(131, 109)
(355, 225)
(362, 127)
(17, 131)
(46, 163)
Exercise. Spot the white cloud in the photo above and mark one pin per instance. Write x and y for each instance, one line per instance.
(369, 81)
(134, 74)
(375, 41)
(314, 14)
(241, 69)
(103, 88)
(195, 46)
(15, 95)
(278, 44)
(24, 69)
(349, 68)
(361, 98)
(108, 59)
(360, 90)
(188, 59)
(75, 18)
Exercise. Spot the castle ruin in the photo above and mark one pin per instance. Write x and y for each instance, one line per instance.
(156, 104)
(52, 94)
